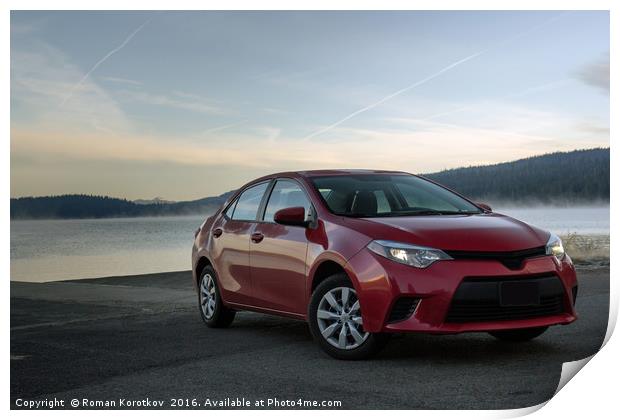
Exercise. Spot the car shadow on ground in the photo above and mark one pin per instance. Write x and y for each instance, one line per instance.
(432, 348)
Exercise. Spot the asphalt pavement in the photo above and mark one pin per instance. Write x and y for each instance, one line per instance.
(140, 340)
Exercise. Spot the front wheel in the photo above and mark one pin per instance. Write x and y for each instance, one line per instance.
(523, 334)
(212, 309)
(335, 319)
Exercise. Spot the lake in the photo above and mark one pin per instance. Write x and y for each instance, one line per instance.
(47, 250)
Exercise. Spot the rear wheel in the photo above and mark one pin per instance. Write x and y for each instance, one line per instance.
(524, 334)
(335, 319)
(212, 309)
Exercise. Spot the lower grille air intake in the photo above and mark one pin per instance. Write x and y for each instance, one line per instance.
(478, 300)
(403, 309)
(575, 288)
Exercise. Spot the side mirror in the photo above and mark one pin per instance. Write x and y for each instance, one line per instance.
(291, 216)
(485, 207)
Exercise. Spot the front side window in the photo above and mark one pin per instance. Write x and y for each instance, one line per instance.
(285, 194)
(379, 195)
(231, 209)
(246, 206)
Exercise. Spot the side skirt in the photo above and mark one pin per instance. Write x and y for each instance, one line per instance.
(241, 306)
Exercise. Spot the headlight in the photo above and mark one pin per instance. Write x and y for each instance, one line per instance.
(555, 247)
(416, 256)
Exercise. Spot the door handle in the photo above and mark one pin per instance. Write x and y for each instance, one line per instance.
(257, 237)
(217, 232)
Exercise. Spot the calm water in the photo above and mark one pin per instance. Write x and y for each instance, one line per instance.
(70, 249)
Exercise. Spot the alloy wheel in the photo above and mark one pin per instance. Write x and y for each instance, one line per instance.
(340, 319)
(207, 296)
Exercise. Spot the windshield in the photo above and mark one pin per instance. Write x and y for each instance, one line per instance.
(378, 195)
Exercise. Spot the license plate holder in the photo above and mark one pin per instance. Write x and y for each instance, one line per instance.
(519, 293)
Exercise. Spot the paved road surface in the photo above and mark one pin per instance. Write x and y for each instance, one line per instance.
(141, 337)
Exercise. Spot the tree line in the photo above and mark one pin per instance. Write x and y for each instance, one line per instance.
(581, 176)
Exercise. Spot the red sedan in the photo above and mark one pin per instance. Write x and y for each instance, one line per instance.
(361, 254)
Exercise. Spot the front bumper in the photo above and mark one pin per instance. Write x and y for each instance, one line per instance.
(382, 282)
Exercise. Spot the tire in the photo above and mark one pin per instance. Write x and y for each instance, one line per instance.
(326, 327)
(524, 334)
(210, 305)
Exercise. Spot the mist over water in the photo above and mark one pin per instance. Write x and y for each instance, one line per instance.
(48, 250)
(562, 220)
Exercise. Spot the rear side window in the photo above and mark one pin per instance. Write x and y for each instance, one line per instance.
(246, 206)
(285, 194)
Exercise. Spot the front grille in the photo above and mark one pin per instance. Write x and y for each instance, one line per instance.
(477, 300)
(403, 309)
(511, 259)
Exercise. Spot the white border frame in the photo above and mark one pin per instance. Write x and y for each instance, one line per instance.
(594, 390)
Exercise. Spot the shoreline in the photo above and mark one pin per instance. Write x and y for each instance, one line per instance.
(497, 208)
(169, 277)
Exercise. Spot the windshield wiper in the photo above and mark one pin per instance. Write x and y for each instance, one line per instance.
(421, 212)
(356, 215)
(430, 212)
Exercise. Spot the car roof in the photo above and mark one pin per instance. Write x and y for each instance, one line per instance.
(332, 172)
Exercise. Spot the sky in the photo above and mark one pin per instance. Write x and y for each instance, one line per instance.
(184, 105)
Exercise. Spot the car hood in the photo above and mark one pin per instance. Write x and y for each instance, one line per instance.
(477, 232)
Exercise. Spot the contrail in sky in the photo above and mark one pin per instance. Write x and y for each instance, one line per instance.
(392, 95)
(105, 57)
(431, 77)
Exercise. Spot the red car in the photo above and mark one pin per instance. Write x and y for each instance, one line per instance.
(361, 254)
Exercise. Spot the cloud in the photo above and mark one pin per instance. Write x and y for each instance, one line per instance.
(176, 100)
(224, 127)
(24, 28)
(61, 145)
(518, 94)
(41, 75)
(86, 157)
(596, 74)
(592, 128)
(510, 122)
(414, 147)
(496, 132)
(122, 81)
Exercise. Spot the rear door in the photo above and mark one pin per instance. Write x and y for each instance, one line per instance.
(230, 247)
(278, 253)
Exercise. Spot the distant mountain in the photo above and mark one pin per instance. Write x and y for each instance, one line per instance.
(156, 200)
(581, 176)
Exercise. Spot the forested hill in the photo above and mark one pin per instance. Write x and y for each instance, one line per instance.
(90, 206)
(580, 176)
